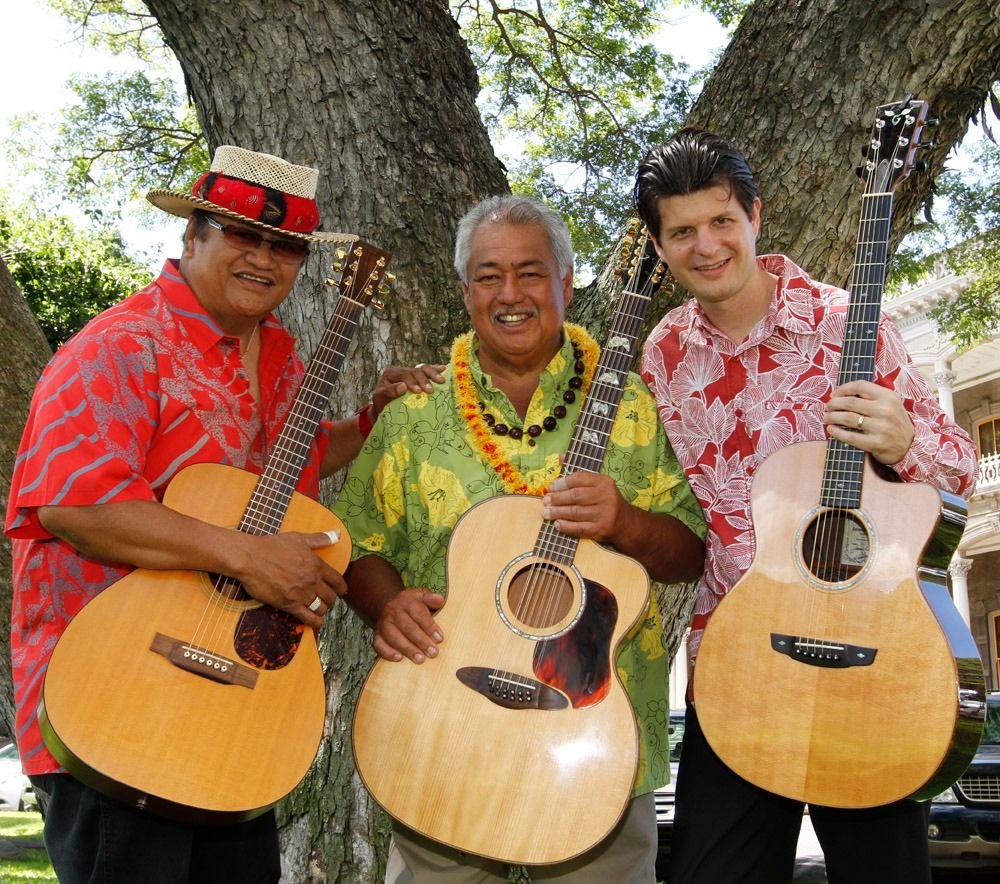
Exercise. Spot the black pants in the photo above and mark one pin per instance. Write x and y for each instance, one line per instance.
(727, 830)
(92, 839)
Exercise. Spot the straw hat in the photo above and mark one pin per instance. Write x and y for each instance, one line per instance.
(256, 188)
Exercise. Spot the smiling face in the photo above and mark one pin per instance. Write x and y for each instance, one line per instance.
(709, 243)
(515, 297)
(237, 287)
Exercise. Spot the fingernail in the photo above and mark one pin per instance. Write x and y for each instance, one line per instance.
(418, 658)
(437, 636)
(432, 651)
(333, 535)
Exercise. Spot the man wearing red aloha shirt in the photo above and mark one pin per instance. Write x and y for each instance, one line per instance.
(745, 368)
(193, 369)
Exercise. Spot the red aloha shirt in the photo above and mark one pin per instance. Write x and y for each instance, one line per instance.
(726, 406)
(148, 387)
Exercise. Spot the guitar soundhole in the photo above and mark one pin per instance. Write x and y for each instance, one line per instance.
(835, 546)
(540, 596)
(229, 589)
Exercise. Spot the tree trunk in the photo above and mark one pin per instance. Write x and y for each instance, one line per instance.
(380, 97)
(798, 87)
(25, 352)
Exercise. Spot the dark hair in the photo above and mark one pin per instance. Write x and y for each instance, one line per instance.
(693, 159)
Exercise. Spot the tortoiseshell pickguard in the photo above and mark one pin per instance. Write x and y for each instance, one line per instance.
(268, 638)
(578, 663)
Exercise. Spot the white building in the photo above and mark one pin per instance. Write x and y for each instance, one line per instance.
(968, 387)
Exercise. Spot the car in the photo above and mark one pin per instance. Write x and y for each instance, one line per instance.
(963, 830)
(15, 788)
(664, 797)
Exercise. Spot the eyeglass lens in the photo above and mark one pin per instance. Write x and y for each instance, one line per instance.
(289, 250)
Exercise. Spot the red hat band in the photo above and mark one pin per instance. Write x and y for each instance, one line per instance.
(274, 208)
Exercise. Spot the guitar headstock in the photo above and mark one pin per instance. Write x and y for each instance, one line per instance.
(638, 263)
(893, 143)
(361, 273)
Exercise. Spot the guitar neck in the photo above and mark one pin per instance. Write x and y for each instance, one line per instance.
(269, 501)
(592, 432)
(361, 275)
(844, 467)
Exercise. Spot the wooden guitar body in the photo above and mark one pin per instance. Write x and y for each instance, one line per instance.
(130, 721)
(517, 741)
(848, 682)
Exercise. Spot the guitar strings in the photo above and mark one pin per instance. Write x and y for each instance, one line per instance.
(273, 490)
(541, 602)
(829, 556)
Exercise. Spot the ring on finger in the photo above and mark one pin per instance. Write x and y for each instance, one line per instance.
(315, 603)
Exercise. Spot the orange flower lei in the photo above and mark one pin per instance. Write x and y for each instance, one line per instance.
(485, 443)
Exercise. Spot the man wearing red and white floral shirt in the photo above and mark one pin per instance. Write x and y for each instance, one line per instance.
(745, 368)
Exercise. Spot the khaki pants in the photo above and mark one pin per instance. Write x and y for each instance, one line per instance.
(626, 856)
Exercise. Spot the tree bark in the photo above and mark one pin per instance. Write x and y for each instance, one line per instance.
(798, 85)
(380, 97)
(25, 352)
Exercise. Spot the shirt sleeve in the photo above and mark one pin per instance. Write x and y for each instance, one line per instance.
(372, 503)
(942, 453)
(640, 459)
(87, 433)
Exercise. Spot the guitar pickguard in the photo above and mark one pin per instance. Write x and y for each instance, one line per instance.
(268, 638)
(578, 663)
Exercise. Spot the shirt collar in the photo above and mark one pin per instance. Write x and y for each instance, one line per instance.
(795, 307)
(198, 326)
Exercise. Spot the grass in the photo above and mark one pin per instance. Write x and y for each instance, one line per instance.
(24, 830)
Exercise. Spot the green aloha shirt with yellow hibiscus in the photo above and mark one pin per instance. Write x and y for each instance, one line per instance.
(418, 473)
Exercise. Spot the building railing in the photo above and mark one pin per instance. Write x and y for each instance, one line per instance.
(989, 474)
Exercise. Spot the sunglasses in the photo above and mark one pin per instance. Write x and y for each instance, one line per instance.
(287, 251)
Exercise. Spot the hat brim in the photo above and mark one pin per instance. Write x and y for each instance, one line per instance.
(184, 204)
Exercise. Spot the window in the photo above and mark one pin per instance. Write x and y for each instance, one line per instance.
(989, 436)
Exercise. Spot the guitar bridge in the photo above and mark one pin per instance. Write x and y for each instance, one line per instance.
(204, 663)
(820, 652)
(510, 690)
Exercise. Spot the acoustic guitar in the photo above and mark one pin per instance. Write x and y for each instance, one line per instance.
(517, 741)
(176, 691)
(837, 670)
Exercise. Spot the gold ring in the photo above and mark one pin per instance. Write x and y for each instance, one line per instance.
(315, 603)
(861, 421)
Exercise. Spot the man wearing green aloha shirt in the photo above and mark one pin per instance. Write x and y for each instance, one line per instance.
(498, 424)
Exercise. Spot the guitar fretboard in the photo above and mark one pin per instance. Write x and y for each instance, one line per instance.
(597, 417)
(273, 492)
(844, 467)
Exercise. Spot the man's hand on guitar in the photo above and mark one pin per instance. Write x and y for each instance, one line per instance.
(285, 573)
(585, 504)
(872, 418)
(406, 626)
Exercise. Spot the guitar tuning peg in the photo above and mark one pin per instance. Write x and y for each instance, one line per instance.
(329, 282)
(338, 267)
(390, 278)
(932, 122)
(377, 304)
(920, 166)
(927, 145)
(341, 253)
